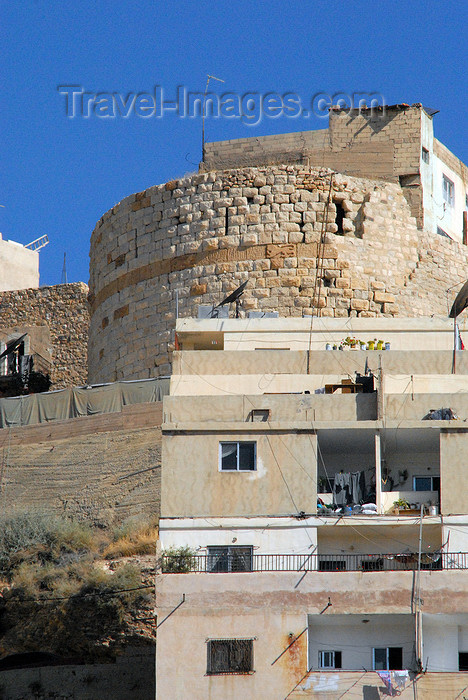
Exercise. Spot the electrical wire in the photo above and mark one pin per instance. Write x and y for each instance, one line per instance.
(77, 596)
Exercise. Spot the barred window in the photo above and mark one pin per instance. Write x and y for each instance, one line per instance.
(230, 656)
(229, 559)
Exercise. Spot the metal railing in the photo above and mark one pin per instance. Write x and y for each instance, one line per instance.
(405, 561)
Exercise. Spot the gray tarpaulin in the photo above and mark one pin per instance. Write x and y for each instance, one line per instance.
(79, 401)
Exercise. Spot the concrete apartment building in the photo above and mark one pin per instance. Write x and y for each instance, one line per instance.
(279, 596)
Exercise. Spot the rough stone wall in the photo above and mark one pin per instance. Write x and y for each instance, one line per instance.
(64, 309)
(203, 235)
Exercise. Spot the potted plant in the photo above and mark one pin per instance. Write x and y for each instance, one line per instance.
(401, 504)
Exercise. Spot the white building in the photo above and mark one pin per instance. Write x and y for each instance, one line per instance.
(19, 266)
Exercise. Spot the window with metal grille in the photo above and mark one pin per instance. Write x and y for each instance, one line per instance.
(372, 565)
(329, 659)
(229, 559)
(237, 456)
(230, 656)
(448, 190)
(331, 565)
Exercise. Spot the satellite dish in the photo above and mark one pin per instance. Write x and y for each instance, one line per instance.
(460, 303)
(234, 296)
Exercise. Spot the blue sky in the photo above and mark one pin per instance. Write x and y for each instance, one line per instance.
(60, 174)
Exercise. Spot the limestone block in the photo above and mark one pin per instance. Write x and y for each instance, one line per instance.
(358, 283)
(249, 239)
(210, 244)
(295, 237)
(197, 290)
(390, 309)
(261, 293)
(360, 304)
(348, 225)
(383, 298)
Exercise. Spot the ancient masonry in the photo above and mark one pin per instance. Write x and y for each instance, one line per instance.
(64, 310)
(201, 236)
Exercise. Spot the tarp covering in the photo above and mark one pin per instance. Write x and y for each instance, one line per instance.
(79, 401)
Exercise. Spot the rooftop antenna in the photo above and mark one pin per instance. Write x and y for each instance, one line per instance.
(234, 296)
(460, 303)
(209, 77)
(64, 269)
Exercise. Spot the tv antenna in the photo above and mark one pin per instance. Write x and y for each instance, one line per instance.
(234, 296)
(209, 77)
(64, 269)
(459, 305)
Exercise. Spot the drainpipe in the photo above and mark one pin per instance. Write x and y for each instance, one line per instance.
(417, 601)
(378, 474)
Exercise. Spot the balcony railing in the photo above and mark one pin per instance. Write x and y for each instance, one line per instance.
(406, 561)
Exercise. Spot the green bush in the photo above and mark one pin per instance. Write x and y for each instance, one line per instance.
(178, 560)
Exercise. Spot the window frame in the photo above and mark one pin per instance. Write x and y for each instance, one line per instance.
(334, 653)
(431, 477)
(214, 559)
(448, 190)
(237, 443)
(229, 672)
(387, 658)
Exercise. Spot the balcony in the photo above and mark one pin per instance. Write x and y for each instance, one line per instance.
(404, 561)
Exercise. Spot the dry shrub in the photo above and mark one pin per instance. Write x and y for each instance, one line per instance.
(135, 536)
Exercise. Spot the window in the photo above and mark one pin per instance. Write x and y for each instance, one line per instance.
(426, 483)
(425, 154)
(229, 559)
(230, 656)
(448, 190)
(388, 658)
(331, 565)
(329, 659)
(237, 456)
(260, 415)
(340, 215)
(463, 661)
(373, 565)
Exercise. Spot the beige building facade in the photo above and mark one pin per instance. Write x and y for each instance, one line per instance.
(272, 590)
